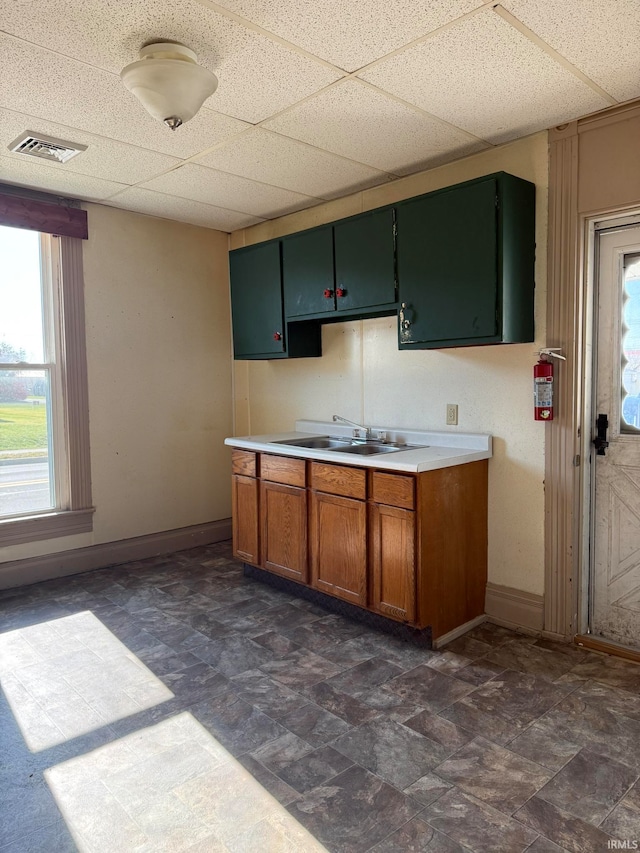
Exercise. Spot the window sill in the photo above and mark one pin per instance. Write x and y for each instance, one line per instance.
(33, 528)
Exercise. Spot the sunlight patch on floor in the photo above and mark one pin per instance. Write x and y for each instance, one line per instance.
(171, 787)
(70, 676)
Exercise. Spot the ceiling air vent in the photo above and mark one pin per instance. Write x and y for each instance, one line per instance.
(38, 145)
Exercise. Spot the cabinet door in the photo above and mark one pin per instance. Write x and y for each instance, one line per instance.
(256, 300)
(284, 530)
(244, 499)
(365, 273)
(307, 271)
(338, 531)
(448, 266)
(392, 537)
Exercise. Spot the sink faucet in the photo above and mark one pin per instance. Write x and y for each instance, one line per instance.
(368, 432)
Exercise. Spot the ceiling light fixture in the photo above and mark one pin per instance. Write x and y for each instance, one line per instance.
(169, 83)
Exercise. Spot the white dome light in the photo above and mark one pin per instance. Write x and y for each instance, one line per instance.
(169, 83)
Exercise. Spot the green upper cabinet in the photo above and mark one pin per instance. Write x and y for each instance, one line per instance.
(465, 260)
(458, 263)
(257, 308)
(344, 268)
(307, 270)
(364, 261)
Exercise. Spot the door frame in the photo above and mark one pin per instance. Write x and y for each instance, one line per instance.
(570, 289)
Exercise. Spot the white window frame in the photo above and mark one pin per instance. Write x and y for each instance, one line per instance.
(69, 403)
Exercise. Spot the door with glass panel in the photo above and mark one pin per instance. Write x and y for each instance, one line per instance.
(615, 571)
(28, 374)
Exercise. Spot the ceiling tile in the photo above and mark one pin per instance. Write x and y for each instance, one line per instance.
(350, 35)
(39, 175)
(229, 191)
(356, 121)
(601, 39)
(486, 77)
(261, 78)
(104, 158)
(264, 156)
(258, 76)
(55, 88)
(171, 207)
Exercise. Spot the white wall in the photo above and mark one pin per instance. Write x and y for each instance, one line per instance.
(364, 377)
(159, 368)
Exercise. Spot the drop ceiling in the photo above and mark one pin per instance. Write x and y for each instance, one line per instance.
(316, 99)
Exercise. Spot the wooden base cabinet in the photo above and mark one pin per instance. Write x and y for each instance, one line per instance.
(411, 547)
(392, 534)
(338, 529)
(283, 512)
(244, 505)
(452, 545)
(244, 501)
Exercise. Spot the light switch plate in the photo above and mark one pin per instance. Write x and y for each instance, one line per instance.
(452, 414)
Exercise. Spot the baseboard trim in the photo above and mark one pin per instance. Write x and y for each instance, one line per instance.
(514, 608)
(34, 569)
(439, 642)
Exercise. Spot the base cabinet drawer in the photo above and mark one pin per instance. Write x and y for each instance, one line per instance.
(283, 469)
(392, 534)
(284, 530)
(338, 546)
(338, 480)
(393, 489)
(244, 462)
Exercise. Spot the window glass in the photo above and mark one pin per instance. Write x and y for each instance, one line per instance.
(26, 482)
(21, 327)
(630, 356)
(27, 375)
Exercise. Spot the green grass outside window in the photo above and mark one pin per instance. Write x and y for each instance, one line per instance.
(23, 426)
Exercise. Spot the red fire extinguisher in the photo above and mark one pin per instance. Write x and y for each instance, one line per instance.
(543, 384)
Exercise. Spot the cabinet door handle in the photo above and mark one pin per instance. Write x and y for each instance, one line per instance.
(328, 294)
(404, 323)
(341, 292)
(277, 336)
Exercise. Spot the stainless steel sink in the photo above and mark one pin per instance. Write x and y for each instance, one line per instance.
(318, 443)
(346, 445)
(369, 449)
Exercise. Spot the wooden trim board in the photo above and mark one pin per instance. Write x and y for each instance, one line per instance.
(75, 372)
(50, 217)
(587, 641)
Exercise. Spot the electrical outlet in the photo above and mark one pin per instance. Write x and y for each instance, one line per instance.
(452, 414)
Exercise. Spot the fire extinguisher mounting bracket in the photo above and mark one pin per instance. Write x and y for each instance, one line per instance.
(552, 352)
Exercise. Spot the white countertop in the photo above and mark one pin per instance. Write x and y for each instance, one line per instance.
(437, 450)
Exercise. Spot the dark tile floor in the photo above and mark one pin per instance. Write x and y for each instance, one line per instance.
(500, 743)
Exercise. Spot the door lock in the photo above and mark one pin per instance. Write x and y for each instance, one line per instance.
(600, 441)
